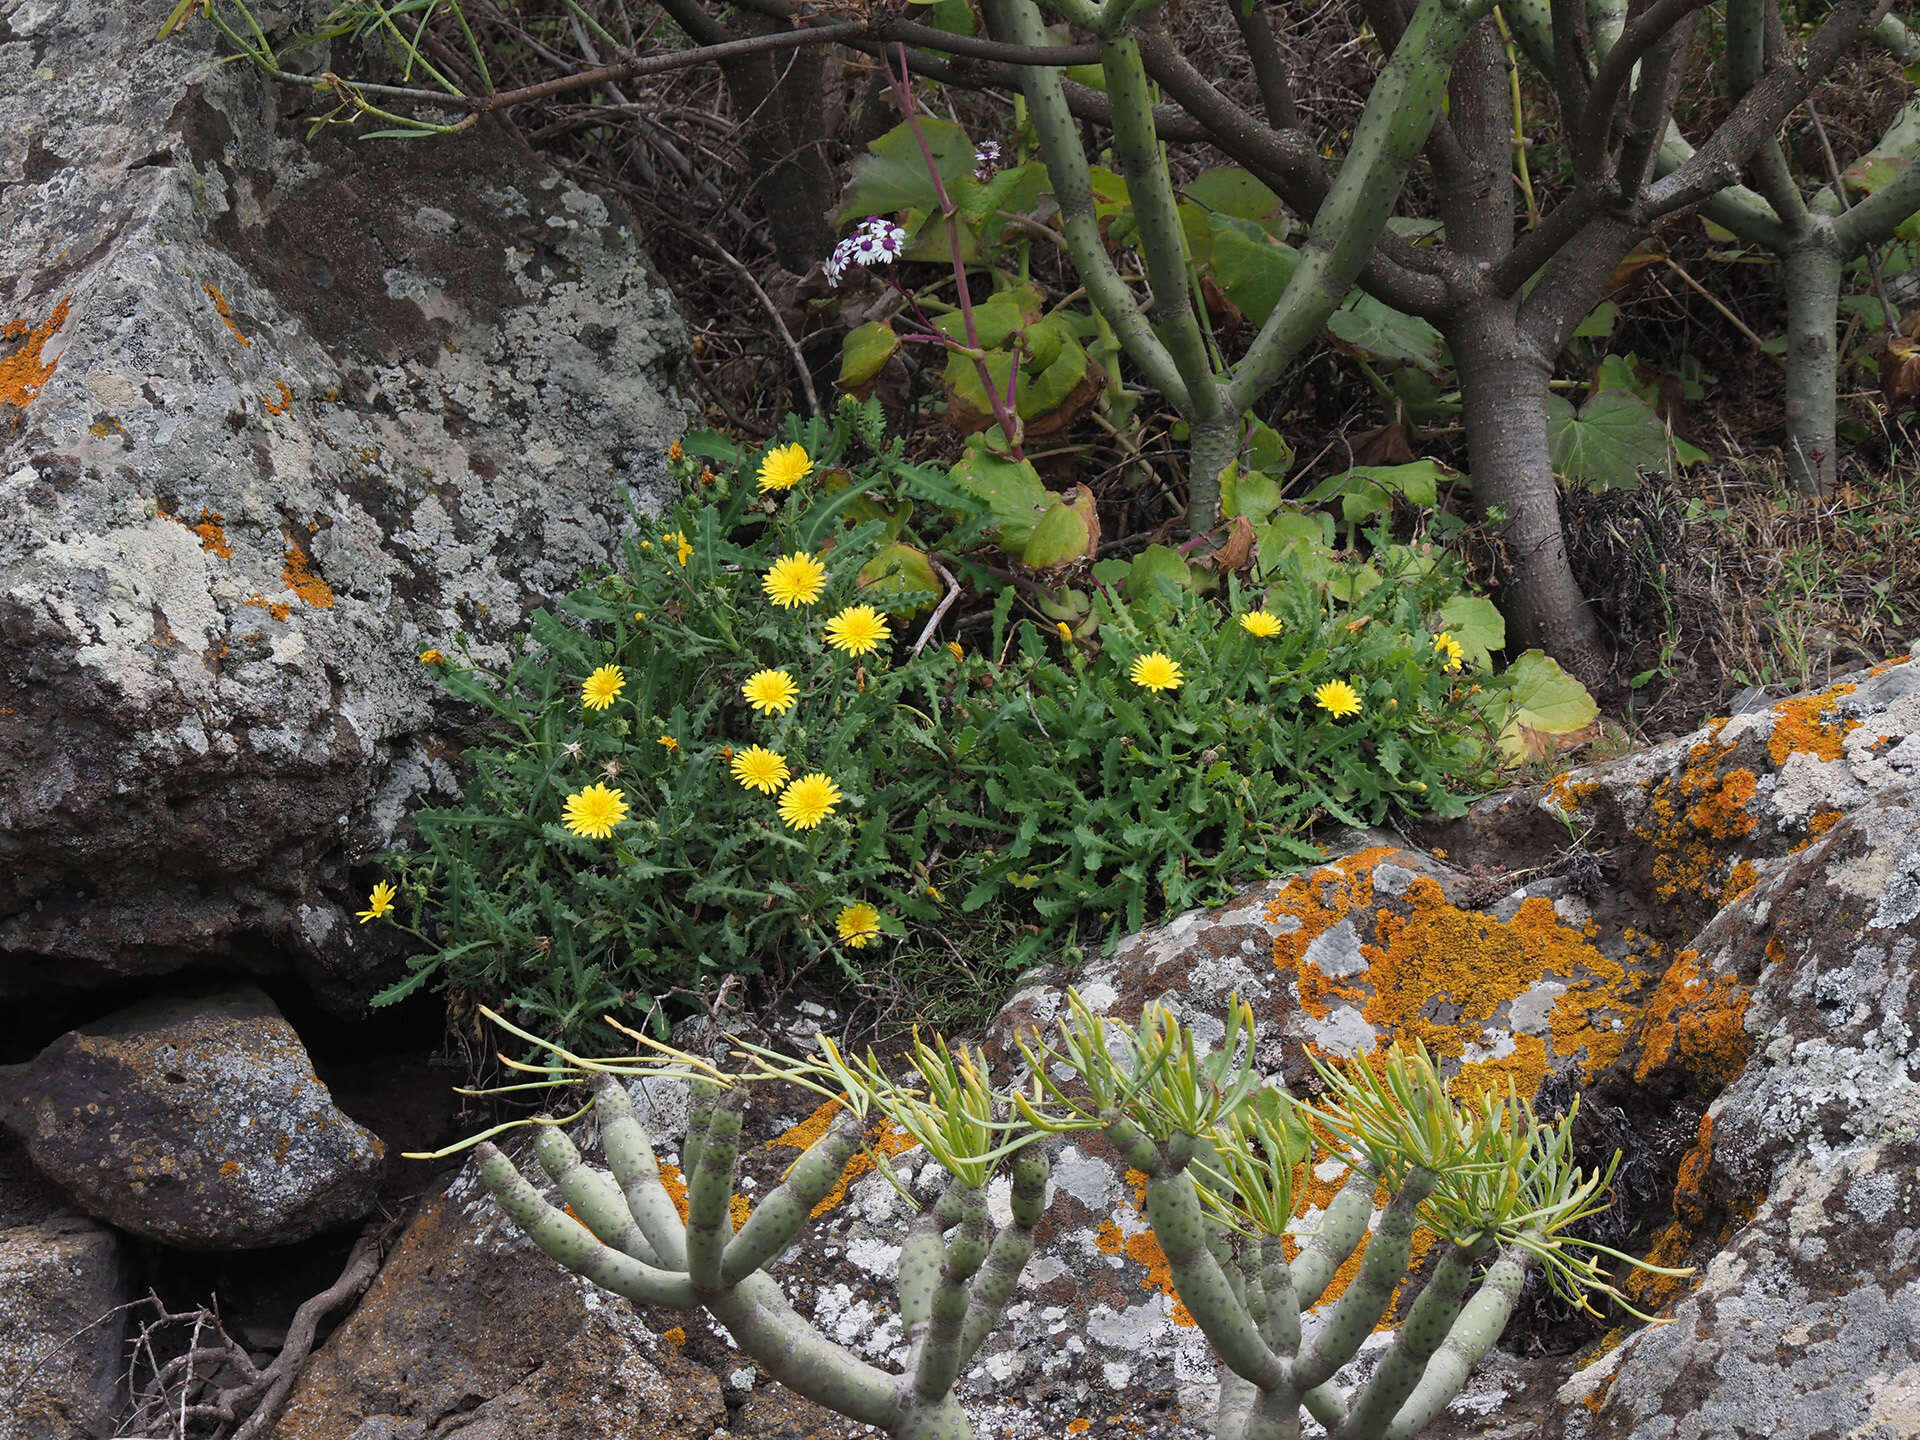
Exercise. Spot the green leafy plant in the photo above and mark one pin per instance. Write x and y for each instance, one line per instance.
(744, 751)
(1222, 1150)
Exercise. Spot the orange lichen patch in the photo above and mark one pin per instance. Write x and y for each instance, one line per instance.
(1701, 1023)
(297, 575)
(1776, 952)
(676, 1337)
(1809, 726)
(1690, 818)
(1886, 665)
(213, 539)
(1818, 824)
(1143, 1249)
(286, 399)
(740, 1207)
(225, 312)
(1742, 878)
(23, 373)
(1690, 1202)
(101, 429)
(1670, 1249)
(676, 1189)
(1079, 1425)
(1569, 794)
(1320, 899)
(803, 1135)
(278, 609)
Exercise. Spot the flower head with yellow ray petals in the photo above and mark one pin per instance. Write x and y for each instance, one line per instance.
(594, 811)
(795, 579)
(1261, 624)
(1156, 671)
(379, 902)
(1338, 699)
(858, 925)
(770, 692)
(784, 467)
(858, 630)
(759, 768)
(809, 800)
(600, 688)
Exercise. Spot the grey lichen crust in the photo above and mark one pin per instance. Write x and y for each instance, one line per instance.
(274, 419)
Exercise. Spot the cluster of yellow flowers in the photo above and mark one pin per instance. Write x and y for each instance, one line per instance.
(792, 581)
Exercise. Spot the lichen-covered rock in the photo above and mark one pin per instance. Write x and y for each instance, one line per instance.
(1685, 827)
(61, 1365)
(198, 1123)
(1808, 1322)
(470, 1331)
(275, 418)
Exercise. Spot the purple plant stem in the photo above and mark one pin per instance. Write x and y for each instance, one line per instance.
(1003, 413)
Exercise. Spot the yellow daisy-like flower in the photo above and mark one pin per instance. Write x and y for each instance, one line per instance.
(598, 690)
(759, 768)
(795, 579)
(639, 615)
(1338, 699)
(958, 653)
(668, 743)
(1156, 671)
(1064, 631)
(770, 692)
(1449, 649)
(1260, 624)
(859, 925)
(594, 811)
(379, 902)
(432, 657)
(686, 545)
(809, 800)
(785, 467)
(858, 630)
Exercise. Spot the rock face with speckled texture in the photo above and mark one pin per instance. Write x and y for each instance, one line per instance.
(198, 1123)
(61, 1364)
(274, 419)
(1802, 1196)
(469, 1332)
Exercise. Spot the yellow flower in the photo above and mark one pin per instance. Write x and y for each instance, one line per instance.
(858, 925)
(1065, 632)
(1155, 671)
(958, 653)
(379, 902)
(795, 579)
(668, 743)
(808, 801)
(857, 630)
(1338, 699)
(785, 467)
(1260, 624)
(598, 689)
(594, 811)
(771, 692)
(759, 768)
(686, 545)
(1448, 647)
(639, 615)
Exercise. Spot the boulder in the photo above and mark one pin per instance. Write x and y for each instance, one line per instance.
(1801, 1009)
(470, 1331)
(276, 418)
(197, 1123)
(62, 1367)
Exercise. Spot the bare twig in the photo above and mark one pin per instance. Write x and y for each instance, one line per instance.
(940, 610)
(773, 312)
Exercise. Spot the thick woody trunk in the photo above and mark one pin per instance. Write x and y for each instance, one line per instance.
(1503, 392)
(1813, 376)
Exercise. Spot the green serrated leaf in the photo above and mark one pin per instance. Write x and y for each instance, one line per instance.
(892, 175)
(1607, 442)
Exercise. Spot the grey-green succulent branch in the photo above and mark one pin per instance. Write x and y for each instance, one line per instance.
(1223, 1150)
